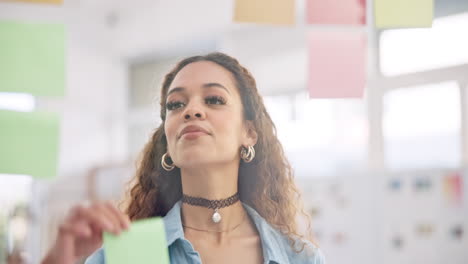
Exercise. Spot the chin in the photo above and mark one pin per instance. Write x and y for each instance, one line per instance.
(193, 163)
(192, 156)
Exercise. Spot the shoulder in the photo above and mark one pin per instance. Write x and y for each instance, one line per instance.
(278, 247)
(96, 258)
(301, 252)
(310, 253)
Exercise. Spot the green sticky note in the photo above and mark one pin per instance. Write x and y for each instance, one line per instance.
(145, 242)
(403, 13)
(29, 143)
(32, 58)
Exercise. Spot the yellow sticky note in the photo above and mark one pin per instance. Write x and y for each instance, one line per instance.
(403, 13)
(58, 2)
(280, 12)
(29, 143)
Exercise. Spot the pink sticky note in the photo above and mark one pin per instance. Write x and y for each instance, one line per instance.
(337, 64)
(453, 188)
(348, 12)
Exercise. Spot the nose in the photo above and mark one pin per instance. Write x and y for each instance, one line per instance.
(193, 112)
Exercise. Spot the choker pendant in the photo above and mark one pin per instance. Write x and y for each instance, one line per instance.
(211, 204)
(216, 217)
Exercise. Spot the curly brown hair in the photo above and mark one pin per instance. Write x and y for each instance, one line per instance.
(266, 184)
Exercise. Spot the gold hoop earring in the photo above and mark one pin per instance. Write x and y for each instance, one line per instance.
(247, 154)
(167, 167)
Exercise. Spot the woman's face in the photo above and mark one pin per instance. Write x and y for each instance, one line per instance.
(204, 121)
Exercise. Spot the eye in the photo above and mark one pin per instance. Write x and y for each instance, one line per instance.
(174, 105)
(215, 100)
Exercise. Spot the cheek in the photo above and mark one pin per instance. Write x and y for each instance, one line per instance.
(170, 131)
(229, 127)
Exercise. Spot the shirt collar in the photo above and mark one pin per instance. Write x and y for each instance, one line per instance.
(273, 248)
(173, 224)
(272, 240)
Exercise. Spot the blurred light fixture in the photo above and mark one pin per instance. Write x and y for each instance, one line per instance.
(17, 102)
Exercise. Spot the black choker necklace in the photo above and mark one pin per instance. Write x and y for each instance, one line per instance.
(212, 204)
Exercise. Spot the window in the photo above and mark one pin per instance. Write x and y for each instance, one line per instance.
(321, 136)
(422, 127)
(414, 50)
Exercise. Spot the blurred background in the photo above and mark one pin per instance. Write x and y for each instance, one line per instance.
(383, 176)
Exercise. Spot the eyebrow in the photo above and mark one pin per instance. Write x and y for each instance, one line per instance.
(206, 85)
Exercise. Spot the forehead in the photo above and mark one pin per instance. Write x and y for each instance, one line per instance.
(202, 72)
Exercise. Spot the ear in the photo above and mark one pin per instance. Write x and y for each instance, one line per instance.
(250, 134)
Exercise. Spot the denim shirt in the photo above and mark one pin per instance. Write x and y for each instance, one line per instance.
(276, 246)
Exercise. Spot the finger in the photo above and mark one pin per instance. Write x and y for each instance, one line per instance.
(76, 229)
(103, 209)
(95, 218)
(82, 229)
(124, 220)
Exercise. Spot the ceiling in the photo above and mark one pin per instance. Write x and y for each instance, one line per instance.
(143, 30)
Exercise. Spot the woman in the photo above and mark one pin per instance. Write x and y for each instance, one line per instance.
(216, 172)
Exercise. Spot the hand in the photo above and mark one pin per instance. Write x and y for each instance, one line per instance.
(80, 234)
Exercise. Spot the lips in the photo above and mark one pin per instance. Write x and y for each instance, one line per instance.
(193, 129)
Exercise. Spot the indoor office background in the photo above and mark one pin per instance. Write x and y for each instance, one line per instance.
(383, 176)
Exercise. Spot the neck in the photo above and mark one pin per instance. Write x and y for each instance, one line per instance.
(212, 184)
